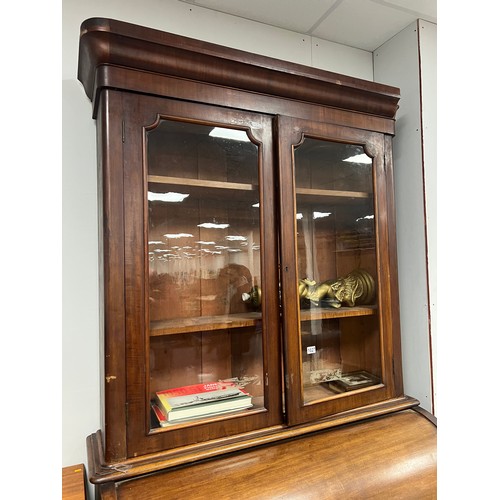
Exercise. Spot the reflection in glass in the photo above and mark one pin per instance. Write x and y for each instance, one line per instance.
(337, 268)
(204, 255)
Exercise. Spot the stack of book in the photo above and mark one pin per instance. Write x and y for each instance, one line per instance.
(199, 400)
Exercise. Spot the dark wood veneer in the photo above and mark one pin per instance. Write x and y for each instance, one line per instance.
(138, 76)
(392, 456)
(116, 43)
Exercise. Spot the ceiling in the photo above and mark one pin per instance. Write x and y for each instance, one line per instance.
(363, 24)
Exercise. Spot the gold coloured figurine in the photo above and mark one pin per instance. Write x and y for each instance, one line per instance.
(358, 287)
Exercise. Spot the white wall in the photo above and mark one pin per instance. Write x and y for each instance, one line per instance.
(468, 187)
(197, 22)
(80, 377)
(428, 86)
(408, 61)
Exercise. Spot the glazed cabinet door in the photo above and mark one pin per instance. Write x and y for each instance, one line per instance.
(201, 281)
(338, 306)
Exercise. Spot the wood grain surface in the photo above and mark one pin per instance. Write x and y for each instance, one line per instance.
(387, 457)
(74, 482)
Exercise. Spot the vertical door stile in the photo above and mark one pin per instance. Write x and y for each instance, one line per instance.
(288, 270)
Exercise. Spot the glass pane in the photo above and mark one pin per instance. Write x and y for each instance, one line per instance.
(204, 267)
(337, 269)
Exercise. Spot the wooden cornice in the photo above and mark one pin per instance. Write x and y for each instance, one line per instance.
(106, 43)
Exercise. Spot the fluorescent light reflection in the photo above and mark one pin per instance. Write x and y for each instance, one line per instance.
(235, 238)
(365, 217)
(212, 225)
(229, 133)
(203, 249)
(361, 158)
(320, 215)
(178, 235)
(169, 197)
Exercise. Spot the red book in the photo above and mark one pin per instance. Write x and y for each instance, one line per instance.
(160, 416)
(199, 400)
(197, 389)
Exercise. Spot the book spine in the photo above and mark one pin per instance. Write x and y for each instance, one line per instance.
(164, 404)
(160, 416)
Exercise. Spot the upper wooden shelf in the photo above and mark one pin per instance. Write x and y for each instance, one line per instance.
(312, 195)
(305, 194)
(187, 182)
(206, 189)
(210, 323)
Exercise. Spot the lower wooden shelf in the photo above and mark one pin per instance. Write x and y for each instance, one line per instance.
(204, 323)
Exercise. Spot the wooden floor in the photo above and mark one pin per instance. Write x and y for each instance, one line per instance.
(391, 457)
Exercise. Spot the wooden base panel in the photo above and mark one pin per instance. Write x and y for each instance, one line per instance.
(102, 472)
(392, 456)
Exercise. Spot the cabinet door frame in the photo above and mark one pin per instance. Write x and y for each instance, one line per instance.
(138, 113)
(291, 132)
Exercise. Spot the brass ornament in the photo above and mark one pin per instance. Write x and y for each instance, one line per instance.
(358, 287)
(253, 298)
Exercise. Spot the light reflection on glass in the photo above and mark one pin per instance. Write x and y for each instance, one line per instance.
(170, 197)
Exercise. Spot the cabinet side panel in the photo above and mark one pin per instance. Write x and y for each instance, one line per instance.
(387, 271)
(393, 267)
(112, 267)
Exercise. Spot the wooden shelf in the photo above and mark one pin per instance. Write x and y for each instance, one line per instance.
(226, 321)
(188, 182)
(305, 194)
(341, 312)
(311, 195)
(332, 193)
(320, 392)
(204, 323)
(258, 406)
(206, 189)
